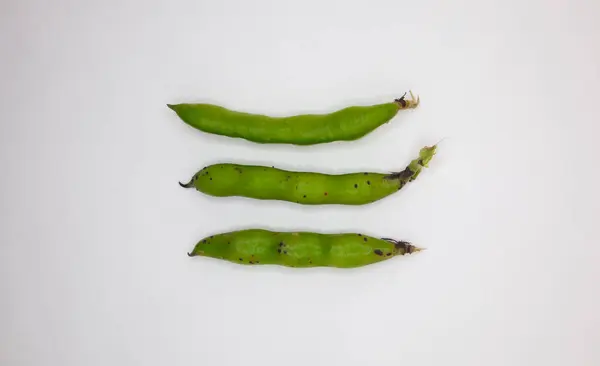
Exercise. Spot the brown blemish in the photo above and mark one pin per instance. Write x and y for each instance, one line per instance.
(368, 182)
(356, 186)
(325, 193)
(406, 173)
(378, 252)
(365, 239)
(401, 101)
(403, 245)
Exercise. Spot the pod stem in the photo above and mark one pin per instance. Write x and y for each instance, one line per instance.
(412, 171)
(404, 245)
(404, 103)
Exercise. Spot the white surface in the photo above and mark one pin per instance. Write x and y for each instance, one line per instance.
(95, 230)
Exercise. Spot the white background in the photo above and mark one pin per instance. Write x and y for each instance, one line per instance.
(95, 229)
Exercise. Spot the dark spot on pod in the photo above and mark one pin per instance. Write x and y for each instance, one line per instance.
(401, 101)
(406, 173)
(273, 166)
(359, 234)
(257, 262)
(365, 239)
(356, 186)
(285, 252)
(325, 193)
(210, 178)
(304, 196)
(402, 245)
(368, 182)
(378, 252)
(279, 251)
(204, 241)
(366, 173)
(251, 262)
(281, 244)
(388, 254)
(241, 259)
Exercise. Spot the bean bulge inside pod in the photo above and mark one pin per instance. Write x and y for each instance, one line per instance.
(308, 188)
(300, 249)
(347, 124)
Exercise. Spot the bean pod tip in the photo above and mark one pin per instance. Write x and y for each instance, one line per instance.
(189, 184)
(404, 103)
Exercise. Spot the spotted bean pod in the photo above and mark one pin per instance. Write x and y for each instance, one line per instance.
(270, 183)
(300, 249)
(347, 124)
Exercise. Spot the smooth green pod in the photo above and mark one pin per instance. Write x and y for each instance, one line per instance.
(300, 249)
(269, 183)
(347, 124)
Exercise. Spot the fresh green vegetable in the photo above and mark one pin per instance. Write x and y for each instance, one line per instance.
(269, 183)
(300, 249)
(350, 123)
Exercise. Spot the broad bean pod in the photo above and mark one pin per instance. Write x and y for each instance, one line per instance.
(347, 124)
(307, 188)
(300, 249)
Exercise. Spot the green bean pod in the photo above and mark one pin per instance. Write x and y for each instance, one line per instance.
(269, 183)
(300, 249)
(347, 124)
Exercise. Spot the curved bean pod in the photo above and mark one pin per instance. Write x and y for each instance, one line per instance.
(346, 124)
(269, 183)
(300, 249)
